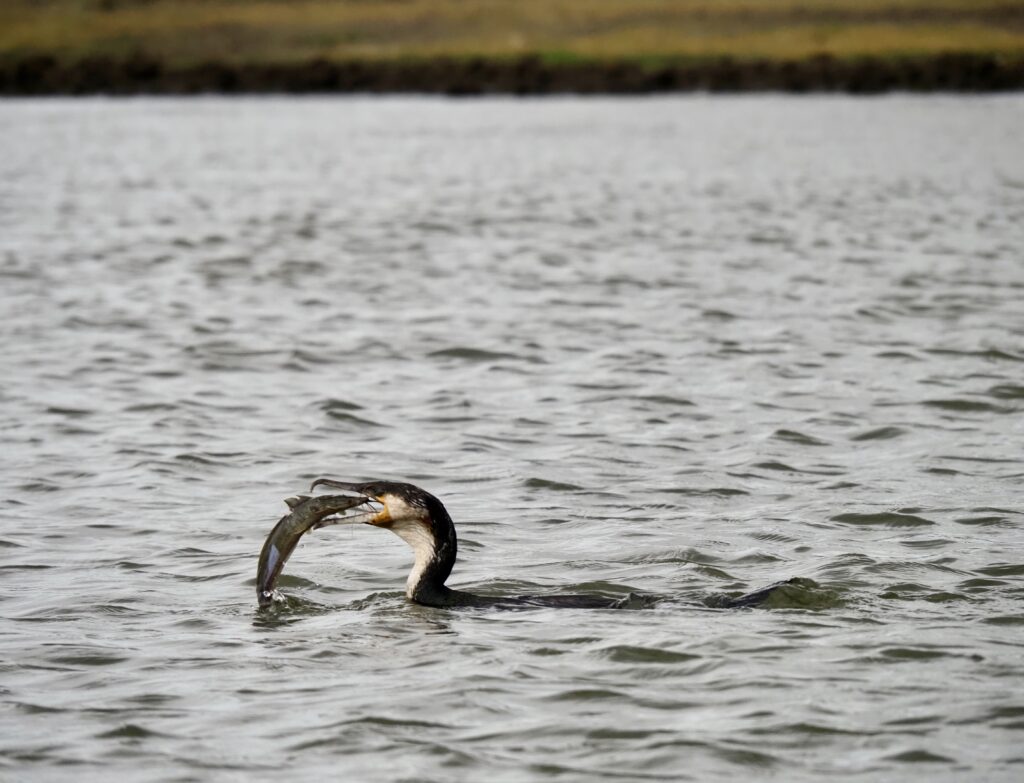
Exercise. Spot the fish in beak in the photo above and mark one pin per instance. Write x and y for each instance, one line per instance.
(307, 513)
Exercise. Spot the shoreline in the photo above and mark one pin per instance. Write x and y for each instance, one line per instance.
(43, 75)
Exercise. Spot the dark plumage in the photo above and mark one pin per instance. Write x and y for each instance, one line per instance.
(422, 521)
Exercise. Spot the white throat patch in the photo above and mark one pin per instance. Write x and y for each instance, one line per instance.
(417, 535)
(409, 523)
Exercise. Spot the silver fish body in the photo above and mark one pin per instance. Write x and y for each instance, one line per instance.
(307, 513)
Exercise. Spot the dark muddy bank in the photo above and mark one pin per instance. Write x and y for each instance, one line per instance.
(45, 75)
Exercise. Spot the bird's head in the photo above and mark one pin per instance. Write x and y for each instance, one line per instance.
(414, 515)
(389, 504)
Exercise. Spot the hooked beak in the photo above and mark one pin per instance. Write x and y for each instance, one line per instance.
(372, 511)
(348, 486)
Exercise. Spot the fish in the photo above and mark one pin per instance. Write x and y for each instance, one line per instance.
(307, 513)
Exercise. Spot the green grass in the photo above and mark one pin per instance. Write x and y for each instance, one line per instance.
(184, 32)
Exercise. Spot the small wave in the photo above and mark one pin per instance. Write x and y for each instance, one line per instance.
(72, 413)
(757, 557)
(721, 492)
(903, 355)
(291, 269)
(36, 709)
(349, 418)
(915, 653)
(211, 457)
(792, 436)
(87, 659)
(130, 731)
(920, 756)
(634, 654)
(781, 467)
(666, 399)
(472, 354)
(1005, 620)
(803, 728)
(679, 556)
(1003, 569)
(718, 315)
(301, 358)
(880, 433)
(967, 406)
(557, 486)
(910, 591)
(991, 354)
(150, 407)
(39, 485)
(25, 567)
(335, 404)
(985, 520)
(980, 584)
(1007, 391)
(589, 694)
(884, 518)
(747, 757)
(928, 543)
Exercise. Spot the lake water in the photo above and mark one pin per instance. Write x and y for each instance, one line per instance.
(683, 346)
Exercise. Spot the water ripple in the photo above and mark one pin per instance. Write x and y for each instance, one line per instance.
(671, 347)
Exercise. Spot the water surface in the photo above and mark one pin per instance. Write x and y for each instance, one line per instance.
(684, 346)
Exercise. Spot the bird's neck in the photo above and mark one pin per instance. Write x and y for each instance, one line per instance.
(421, 577)
(434, 551)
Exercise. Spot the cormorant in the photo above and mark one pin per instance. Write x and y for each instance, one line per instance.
(419, 519)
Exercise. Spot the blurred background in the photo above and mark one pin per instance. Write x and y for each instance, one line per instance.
(508, 46)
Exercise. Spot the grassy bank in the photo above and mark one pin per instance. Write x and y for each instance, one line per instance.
(246, 38)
